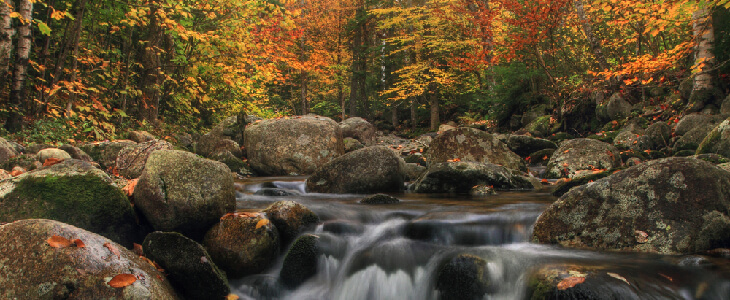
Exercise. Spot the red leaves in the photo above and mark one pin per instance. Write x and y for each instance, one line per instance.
(51, 161)
(129, 188)
(262, 223)
(56, 241)
(122, 280)
(454, 160)
(570, 282)
(113, 249)
(240, 215)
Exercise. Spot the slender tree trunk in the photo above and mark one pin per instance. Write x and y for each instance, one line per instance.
(6, 41)
(79, 17)
(434, 103)
(394, 116)
(414, 117)
(358, 94)
(303, 90)
(152, 73)
(20, 70)
(704, 37)
(588, 31)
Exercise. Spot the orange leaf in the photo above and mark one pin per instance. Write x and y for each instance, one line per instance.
(570, 282)
(566, 151)
(51, 161)
(112, 249)
(262, 223)
(15, 173)
(138, 249)
(58, 242)
(231, 297)
(122, 280)
(129, 188)
(79, 243)
(544, 180)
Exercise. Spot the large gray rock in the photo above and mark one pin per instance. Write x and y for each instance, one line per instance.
(131, 160)
(72, 192)
(179, 191)
(468, 144)
(581, 154)
(668, 206)
(617, 108)
(368, 170)
(717, 141)
(358, 129)
(191, 269)
(35, 270)
(301, 261)
(76, 153)
(296, 145)
(213, 140)
(105, 153)
(461, 177)
(290, 219)
(463, 277)
(7, 150)
(524, 145)
(54, 153)
(692, 121)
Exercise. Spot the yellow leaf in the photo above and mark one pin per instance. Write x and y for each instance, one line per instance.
(262, 223)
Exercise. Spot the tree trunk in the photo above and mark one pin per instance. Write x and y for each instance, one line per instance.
(394, 116)
(414, 117)
(358, 94)
(152, 71)
(588, 31)
(79, 17)
(20, 70)
(704, 57)
(6, 41)
(305, 105)
(434, 103)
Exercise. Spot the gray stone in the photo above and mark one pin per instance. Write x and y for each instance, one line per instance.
(131, 159)
(581, 154)
(468, 144)
(460, 177)
(368, 170)
(358, 129)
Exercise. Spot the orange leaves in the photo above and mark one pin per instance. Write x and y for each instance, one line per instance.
(122, 280)
(51, 161)
(79, 243)
(454, 160)
(113, 249)
(232, 297)
(56, 241)
(570, 282)
(129, 188)
(240, 215)
(262, 223)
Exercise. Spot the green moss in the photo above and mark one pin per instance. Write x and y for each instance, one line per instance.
(85, 201)
(710, 140)
(539, 290)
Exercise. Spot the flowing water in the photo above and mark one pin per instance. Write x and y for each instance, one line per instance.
(394, 251)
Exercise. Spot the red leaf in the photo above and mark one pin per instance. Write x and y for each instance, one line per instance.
(570, 282)
(122, 280)
(129, 188)
(138, 249)
(58, 242)
(79, 243)
(112, 249)
(51, 161)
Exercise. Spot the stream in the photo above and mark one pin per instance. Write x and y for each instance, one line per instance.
(395, 251)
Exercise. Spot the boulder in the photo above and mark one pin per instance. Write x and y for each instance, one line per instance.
(659, 135)
(77, 153)
(301, 261)
(233, 163)
(379, 199)
(105, 153)
(351, 144)
(468, 144)
(414, 171)
(54, 153)
(626, 140)
(358, 129)
(617, 108)
(36, 270)
(243, 244)
(131, 159)
(368, 170)
(292, 145)
(541, 127)
(290, 219)
(581, 154)
(460, 177)
(191, 270)
(523, 145)
(276, 192)
(139, 136)
(668, 206)
(717, 141)
(463, 277)
(25, 161)
(179, 191)
(691, 121)
(692, 139)
(7, 150)
(72, 192)
(553, 282)
(213, 140)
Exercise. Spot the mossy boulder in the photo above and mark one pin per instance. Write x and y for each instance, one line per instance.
(379, 199)
(691, 121)
(76, 153)
(669, 206)
(189, 267)
(141, 136)
(469, 144)
(290, 219)
(26, 161)
(131, 159)
(32, 269)
(463, 277)
(54, 153)
(301, 261)
(554, 282)
(72, 192)
(296, 145)
(542, 126)
(105, 153)
(460, 177)
(717, 140)
(7, 150)
(692, 139)
(523, 145)
(581, 154)
(368, 170)
(243, 244)
(359, 129)
(179, 191)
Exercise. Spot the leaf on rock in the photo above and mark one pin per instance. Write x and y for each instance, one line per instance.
(570, 282)
(79, 243)
(231, 297)
(122, 280)
(619, 277)
(113, 249)
(51, 161)
(58, 242)
(262, 223)
(138, 249)
(129, 188)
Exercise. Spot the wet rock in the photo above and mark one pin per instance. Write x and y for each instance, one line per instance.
(77, 153)
(414, 171)
(300, 263)
(468, 144)
(717, 141)
(358, 129)
(131, 159)
(43, 272)
(379, 199)
(189, 267)
(72, 192)
(482, 190)
(54, 153)
(7, 150)
(581, 154)
(652, 207)
(292, 145)
(105, 153)
(276, 192)
(369, 170)
(340, 227)
(290, 219)
(141, 136)
(179, 191)
(351, 144)
(523, 145)
(463, 277)
(242, 244)
(460, 177)
(553, 282)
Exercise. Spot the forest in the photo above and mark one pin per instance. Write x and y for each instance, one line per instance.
(88, 70)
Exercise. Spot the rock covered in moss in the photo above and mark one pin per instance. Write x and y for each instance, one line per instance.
(296, 145)
(669, 206)
(290, 219)
(460, 177)
(191, 270)
(35, 270)
(523, 145)
(54, 153)
(717, 141)
(581, 154)
(368, 170)
(553, 282)
(300, 262)
(105, 153)
(379, 199)
(214, 139)
(542, 126)
(351, 144)
(463, 277)
(7, 150)
(243, 244)
(468, 144)
(72, 192)
(76, 153)
(179, 191)
(359, 129)
(131, 159)
(141, 136)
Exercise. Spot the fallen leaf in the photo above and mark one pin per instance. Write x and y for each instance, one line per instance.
(566, 151)
(152, 263)
(113, 249)
(129, 188)
(79, 243)
(51, 161)
(570, 282)
(122, 280)
(58, 242)
(619, 277)
(544, 180)
(231, 297)
(262, 223)
(667, 277)
(138, 249)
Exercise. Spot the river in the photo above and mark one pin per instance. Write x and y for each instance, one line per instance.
(395, 251)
